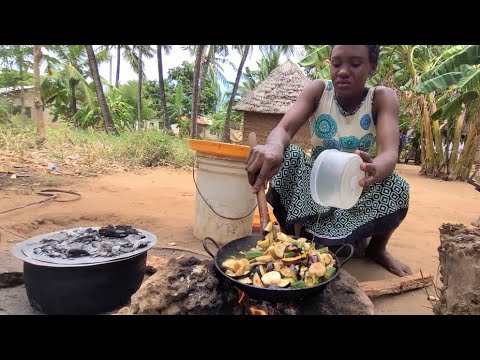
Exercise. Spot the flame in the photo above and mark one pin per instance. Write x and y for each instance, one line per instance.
(252, 310)
(241, 297)
(255, 311)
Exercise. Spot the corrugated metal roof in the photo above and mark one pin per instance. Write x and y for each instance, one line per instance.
(7, 90)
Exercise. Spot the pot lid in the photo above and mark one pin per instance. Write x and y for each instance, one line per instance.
(84, 246)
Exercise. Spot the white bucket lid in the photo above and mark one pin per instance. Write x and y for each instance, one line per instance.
(335, 177)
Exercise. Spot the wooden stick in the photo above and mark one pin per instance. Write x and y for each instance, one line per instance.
(376, 288)
(261, 197)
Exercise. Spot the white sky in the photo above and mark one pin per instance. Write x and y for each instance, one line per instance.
(175, 58)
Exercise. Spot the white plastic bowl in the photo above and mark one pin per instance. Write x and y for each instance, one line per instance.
(334, 179)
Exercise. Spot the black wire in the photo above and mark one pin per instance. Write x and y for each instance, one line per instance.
(211, 208)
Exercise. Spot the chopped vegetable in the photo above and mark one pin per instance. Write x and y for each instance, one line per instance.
(253, 254)
(323, 250)
(268, 228)
(279, 261)
(330, 272)
(298, 284)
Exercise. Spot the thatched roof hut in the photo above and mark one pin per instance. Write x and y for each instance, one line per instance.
(265, 105)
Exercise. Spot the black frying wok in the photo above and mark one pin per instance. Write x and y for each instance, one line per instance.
(234, 247)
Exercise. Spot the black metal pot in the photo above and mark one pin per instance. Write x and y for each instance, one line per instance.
(92, 288)
(86, 289)
(233, 248)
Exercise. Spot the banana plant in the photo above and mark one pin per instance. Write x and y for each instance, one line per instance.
(317, 61)
(460, 73)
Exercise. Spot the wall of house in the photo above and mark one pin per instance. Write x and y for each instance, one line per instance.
(263, 124)
(28, 99)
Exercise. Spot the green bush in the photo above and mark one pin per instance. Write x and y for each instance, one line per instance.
(6, 107)
(152, 148)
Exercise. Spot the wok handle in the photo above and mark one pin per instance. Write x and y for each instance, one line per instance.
(204, 243)
(352, 250)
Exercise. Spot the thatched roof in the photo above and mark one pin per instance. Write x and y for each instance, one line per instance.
(277, 92)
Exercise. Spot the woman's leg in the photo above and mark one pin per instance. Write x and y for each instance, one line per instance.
(377, 251)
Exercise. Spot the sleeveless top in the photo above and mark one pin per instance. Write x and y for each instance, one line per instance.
(332, 128)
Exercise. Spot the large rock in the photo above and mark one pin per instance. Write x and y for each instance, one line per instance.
(459, 255)
(181, 287)
(342, 296)
(190, 286)
(11, 279)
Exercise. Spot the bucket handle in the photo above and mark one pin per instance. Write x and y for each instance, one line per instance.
(210, 206)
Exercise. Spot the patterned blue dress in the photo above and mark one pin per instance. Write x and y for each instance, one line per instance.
(381, 207)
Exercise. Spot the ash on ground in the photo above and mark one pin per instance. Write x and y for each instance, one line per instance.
(109, 241)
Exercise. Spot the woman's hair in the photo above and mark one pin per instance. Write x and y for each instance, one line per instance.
(373, 52)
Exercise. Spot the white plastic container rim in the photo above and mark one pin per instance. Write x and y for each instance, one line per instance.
(334, 180)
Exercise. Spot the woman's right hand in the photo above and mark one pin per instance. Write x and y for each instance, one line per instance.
(263, 162)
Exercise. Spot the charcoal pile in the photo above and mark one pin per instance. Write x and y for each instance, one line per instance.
(109, 241)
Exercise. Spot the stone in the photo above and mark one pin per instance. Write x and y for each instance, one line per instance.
(154, 263)
(11, 279)
(191, 286)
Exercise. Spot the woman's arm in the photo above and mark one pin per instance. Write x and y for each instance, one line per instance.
(264, 161)
(386, 107)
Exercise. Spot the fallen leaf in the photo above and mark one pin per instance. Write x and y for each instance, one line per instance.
(172, 243)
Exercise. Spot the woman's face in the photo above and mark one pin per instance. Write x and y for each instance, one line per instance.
(350, 69)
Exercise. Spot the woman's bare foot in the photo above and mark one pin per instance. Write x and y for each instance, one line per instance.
(384, 258)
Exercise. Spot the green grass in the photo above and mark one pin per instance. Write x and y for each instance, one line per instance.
(92, 149)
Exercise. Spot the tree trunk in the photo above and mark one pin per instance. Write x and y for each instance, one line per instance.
(161, 84)
(117, 78)
(464, 164)
(20, 72)
(437, 136)
(73, 98)
(459, 255)
(428, 139)
(139, 92)
(204, 69)
(195, 95)
(37, 109)
(110, 63)
(456, 139)
(107, 117)
(226, 128)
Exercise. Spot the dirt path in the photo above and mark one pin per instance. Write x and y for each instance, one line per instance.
(162, 201)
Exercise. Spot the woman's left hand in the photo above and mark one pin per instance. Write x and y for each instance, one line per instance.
(369, 167)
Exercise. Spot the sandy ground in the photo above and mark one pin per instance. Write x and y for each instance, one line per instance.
(162, 201)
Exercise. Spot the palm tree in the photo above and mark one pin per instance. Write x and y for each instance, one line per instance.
(117, 75)
(129, 56)
(146, 50)
(37, 110)
(226, 129)
(196, 83)
(20, 57)
(269, 61)
(107, 117)
(67, 74)
(163, 100)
